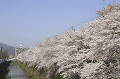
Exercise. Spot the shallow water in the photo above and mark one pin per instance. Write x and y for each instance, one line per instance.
(16, 72)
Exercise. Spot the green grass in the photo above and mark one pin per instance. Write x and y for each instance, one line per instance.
(113, 69)
(41, 73)
(7, 77)
(32, 72)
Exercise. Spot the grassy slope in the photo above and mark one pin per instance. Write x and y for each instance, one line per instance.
(40, 73)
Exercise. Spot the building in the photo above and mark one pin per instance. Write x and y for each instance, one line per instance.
(20, 50)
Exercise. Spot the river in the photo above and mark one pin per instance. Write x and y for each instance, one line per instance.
(16, 72)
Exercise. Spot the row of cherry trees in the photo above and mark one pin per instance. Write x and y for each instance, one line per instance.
(73, 49)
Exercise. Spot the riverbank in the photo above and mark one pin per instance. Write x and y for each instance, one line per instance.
(32, 72)
(35, 73)
(4, 70)
(16, 72)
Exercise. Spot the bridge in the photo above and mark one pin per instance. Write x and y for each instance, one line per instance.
(10, 59)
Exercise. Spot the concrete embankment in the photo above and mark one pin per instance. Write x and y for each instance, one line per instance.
(4, 70)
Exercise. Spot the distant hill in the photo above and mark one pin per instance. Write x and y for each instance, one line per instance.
(10, 49)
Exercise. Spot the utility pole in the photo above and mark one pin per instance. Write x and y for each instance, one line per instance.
(1, 48)
(73, 28)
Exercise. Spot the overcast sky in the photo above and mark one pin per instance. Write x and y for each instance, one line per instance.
(29, 22)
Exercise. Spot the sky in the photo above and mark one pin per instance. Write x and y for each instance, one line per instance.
(29, 22)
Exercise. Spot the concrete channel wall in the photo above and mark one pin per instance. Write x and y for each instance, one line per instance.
(2, 60)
